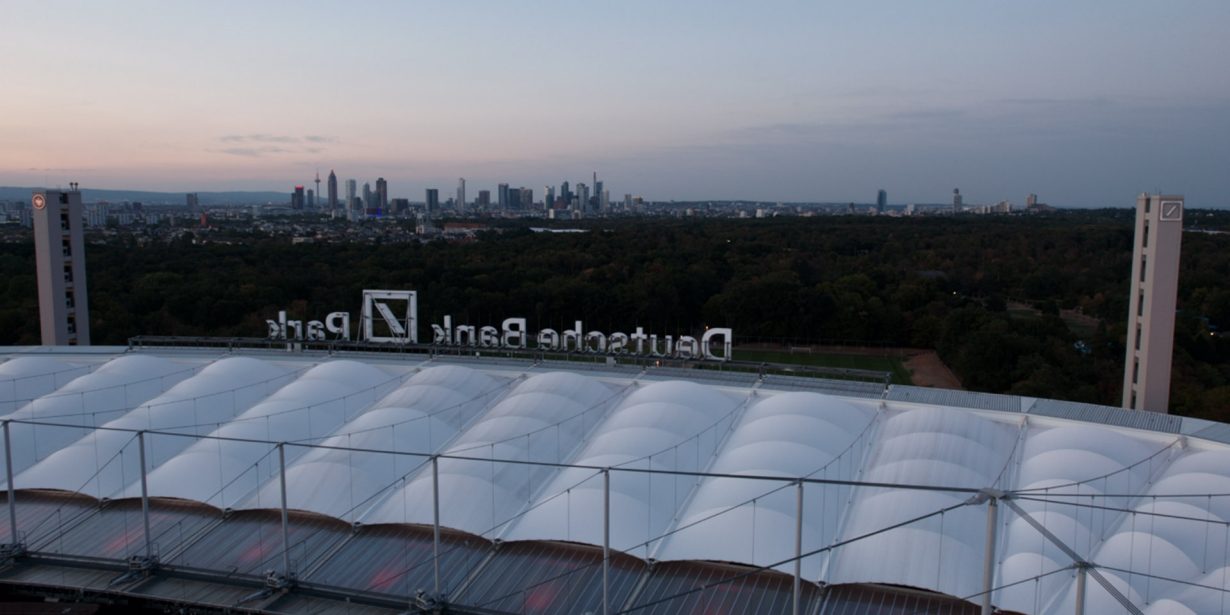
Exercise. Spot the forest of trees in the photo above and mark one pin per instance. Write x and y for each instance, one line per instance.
(956, 284)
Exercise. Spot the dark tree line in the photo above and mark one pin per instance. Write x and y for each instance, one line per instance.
(996, 296)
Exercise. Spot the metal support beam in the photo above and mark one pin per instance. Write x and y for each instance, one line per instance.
(1076, 558)
(8, 471)
(988, 557)
(798, 549)
(1080, 590)
(285, 516)
(435, 520)
(606, 540)
(149, 540)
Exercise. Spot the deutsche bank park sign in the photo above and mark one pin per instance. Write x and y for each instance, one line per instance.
(391, 316)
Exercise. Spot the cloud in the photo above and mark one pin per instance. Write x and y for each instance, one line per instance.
(255, 152)
(258, 145)
(258, 138)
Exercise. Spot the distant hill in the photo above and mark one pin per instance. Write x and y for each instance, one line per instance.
(92, 195)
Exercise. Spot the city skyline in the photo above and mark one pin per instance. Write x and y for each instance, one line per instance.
(683, 101)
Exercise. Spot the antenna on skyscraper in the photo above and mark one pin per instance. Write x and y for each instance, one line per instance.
(316, 196)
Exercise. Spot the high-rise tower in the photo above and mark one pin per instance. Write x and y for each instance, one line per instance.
(1155, 286)
(432, 202)
(881, 201)
(332, 190)
(502, 196)
(382, 195)
(59, 251)
(461, 195)
(317, 189)
(352, 204)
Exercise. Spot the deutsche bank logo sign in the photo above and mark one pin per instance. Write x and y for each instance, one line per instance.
(391, 316)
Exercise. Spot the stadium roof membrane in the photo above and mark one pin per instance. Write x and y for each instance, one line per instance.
(365, 482)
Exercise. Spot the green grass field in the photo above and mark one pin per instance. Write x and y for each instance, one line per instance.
(879, 364)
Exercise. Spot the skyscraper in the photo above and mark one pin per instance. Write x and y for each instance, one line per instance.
(548, 197)
(432, 202)
(502, 196)
(1155, 286)
(296, 198)
(582, 197)
(484, 199)
(881, 201)
(311, 199)
(59, 254)
(597, 198)
(956, 200)
(351, 200)
(382, 192)
(565, 194)
(512, 198)
(193, 202)
(461, 195)
(332, 190)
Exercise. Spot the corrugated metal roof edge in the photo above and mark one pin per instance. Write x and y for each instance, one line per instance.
(343, 596)
(322, 590)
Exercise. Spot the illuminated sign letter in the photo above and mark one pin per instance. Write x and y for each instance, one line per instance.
(687, 347)
(315, 330)
(466, 335)
(443, 335)
(707, 340)
(488, 337)
(514, 333)
(401, 329)
(277, 328)
(338, 323)
(577, 336)
(618, 343)
(595, 341)
(548, 339)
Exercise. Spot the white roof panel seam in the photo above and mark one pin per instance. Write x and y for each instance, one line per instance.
(735, 416)
(498, 388)
(570, 456)
(578, 397)
(691, 515)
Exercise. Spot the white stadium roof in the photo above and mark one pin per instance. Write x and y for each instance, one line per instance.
(697, 474)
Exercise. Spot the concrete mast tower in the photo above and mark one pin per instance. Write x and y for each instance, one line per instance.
(1155, 287)
(59, 252)
(317, 188)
